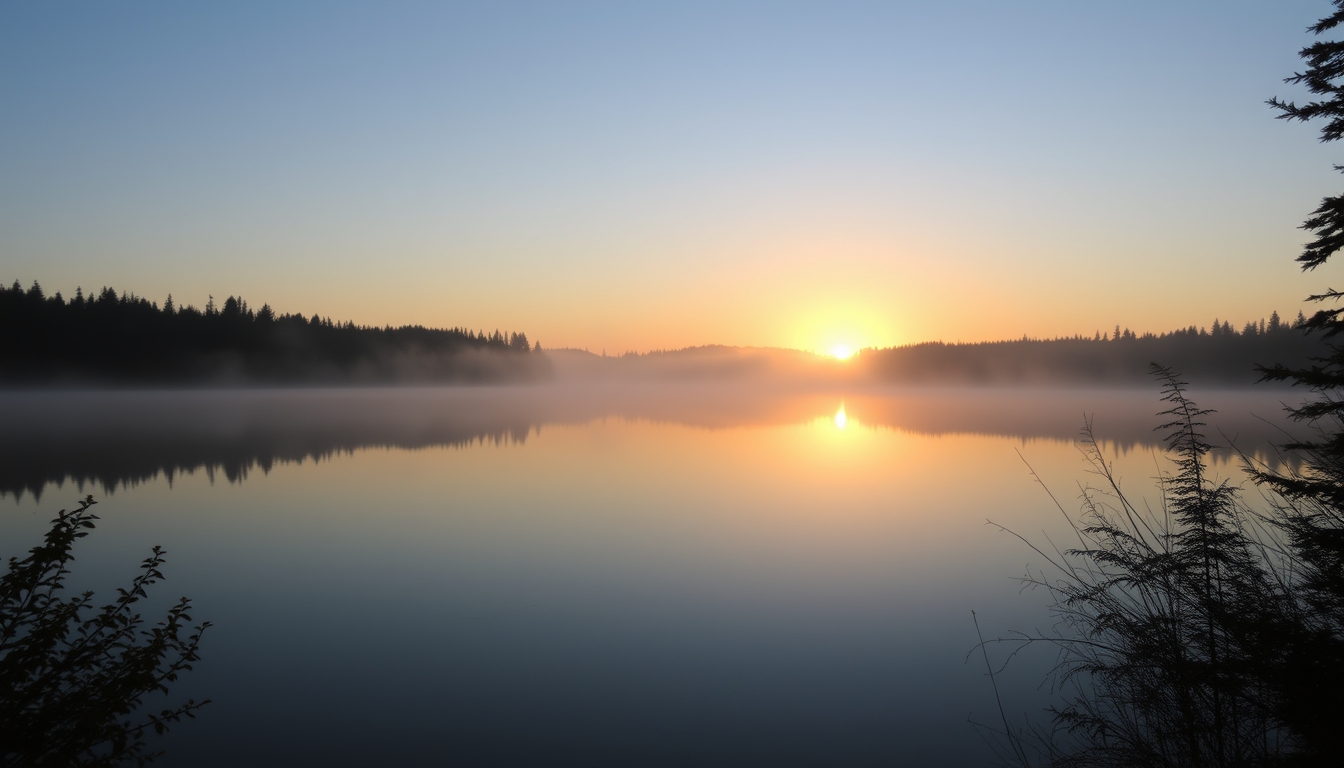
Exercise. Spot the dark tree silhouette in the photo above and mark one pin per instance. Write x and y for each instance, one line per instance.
(1311, 500)
(70, 682)
(116, 339)
(1220, 355)
(1325, 68)
(1205, 634)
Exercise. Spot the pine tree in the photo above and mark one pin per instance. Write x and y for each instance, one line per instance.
(1320, 484)
(1311, 507)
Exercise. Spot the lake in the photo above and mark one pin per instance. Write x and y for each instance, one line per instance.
(588, 575)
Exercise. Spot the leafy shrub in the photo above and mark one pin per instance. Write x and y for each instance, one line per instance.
(72, 678)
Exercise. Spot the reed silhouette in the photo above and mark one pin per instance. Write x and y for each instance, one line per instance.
(1207, 633)
(1188, 634)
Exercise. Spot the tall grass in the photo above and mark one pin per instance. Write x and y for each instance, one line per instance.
(1184, 634)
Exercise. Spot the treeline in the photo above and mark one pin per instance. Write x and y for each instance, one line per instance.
(1218, 355)
(124, 339)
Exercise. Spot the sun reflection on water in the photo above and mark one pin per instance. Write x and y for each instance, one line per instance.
(840, 418)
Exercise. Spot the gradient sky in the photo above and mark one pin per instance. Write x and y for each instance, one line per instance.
(636, 175)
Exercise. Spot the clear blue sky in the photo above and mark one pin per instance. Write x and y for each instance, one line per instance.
(631, 176)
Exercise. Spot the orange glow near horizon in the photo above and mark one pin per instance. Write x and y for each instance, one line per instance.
(839, 329)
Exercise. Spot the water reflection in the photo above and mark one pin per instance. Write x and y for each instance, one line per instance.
(107, 441)
(586, 576)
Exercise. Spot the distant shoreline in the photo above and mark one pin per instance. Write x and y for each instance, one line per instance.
(113, 341)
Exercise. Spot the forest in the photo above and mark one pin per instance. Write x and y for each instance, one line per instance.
(1220, 355)
(112, 339)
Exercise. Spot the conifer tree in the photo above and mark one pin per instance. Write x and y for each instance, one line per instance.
(1311, 506)
(1315, 494)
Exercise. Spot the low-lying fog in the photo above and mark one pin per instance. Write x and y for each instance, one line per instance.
(644, 561)
(109, 439)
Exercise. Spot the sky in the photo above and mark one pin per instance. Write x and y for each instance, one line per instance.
(634, 176)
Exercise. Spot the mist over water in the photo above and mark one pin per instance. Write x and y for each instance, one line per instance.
(608, 572)
(106, 440)
(670, 384)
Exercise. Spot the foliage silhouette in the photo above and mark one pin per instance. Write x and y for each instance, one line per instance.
(126, 339)
(1206, 634)
(1152, 608)
(1189, 635)
(71, 683)
(1310, 499)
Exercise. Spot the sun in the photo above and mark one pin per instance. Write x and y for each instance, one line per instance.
(841, 352)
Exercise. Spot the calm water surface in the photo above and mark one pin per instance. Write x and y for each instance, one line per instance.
(584, 576)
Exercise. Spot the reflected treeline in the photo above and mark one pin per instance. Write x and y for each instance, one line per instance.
(109, 440)
(1219, 355)
(125, 339)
